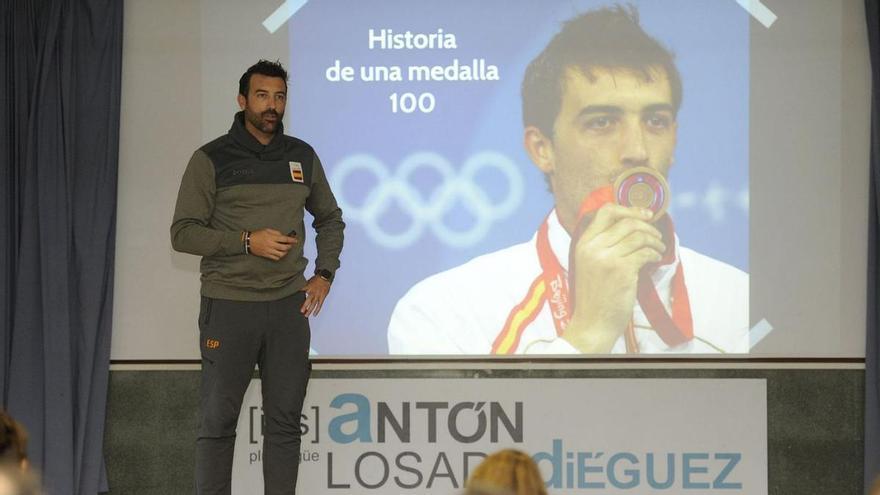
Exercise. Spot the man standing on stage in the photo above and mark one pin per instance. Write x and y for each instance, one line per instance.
(240, 207)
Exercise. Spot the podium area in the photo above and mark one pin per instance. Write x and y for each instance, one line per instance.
(815, 419)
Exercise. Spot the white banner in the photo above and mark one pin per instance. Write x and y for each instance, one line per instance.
(589, 436)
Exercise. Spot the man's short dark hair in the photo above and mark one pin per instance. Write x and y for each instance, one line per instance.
(610, 37)
(264, 68)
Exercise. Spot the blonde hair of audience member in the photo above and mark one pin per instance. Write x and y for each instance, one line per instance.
(479, 489)
(875, 487)
(511, 470)
(13, 442)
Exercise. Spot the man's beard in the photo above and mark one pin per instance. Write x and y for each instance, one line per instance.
(258, 120)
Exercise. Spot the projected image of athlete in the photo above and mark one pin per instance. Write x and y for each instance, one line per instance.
(600, 101)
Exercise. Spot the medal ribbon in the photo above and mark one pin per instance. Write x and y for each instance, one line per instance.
(674, 329)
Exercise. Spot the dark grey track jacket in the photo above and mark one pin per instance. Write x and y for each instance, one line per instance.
(235, 184)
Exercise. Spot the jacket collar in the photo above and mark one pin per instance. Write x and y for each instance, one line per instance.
(243, 137)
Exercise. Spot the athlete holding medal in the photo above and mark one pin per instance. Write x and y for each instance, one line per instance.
(605, 272)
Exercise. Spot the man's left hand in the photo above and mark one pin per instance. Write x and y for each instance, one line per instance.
(316, 290)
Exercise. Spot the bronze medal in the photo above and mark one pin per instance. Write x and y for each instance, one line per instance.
(643, 187)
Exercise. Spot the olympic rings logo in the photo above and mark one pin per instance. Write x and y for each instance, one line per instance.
(455, 187)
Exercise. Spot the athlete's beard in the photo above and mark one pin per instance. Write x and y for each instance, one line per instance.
(258, 120)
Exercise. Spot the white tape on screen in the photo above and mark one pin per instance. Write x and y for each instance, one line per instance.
(759, 11)
(282, 14)
(287, 9)
(758, 332)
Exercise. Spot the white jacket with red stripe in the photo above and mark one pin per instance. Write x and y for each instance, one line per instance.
(462, 310)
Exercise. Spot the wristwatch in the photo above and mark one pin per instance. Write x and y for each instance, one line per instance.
(325, 274)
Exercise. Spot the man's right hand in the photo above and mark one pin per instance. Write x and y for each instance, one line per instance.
(271, 244)
(608, 256)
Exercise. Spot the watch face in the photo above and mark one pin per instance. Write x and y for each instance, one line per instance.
(325, 274)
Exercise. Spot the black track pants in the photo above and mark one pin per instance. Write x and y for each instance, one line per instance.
(235, 335)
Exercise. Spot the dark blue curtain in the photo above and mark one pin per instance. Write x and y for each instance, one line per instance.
(59, 137)
(872, 342)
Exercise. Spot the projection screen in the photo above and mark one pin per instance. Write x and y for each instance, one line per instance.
(460, 206)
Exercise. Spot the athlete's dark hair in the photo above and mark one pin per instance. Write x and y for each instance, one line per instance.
(609, 37)
(264, 68)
